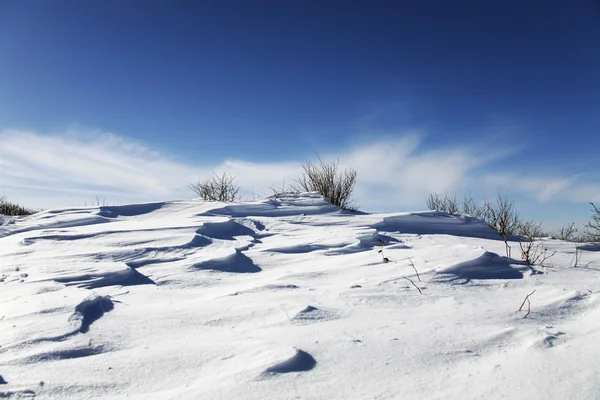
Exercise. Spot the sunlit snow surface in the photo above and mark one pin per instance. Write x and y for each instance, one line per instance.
(288, 298)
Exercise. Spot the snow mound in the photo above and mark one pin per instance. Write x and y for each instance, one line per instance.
(299, 362)
(311, 314)
(487, 266)
(297, 205)
(437, 223)
(237, 263)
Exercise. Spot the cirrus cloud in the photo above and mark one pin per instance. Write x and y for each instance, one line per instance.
(395, 172)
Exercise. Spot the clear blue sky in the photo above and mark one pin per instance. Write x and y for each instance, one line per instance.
(277, 81)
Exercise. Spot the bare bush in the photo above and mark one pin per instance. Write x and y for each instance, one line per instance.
(449, 205)
(566, 233)
(453, 206)
(530, 229)
(532, 253)
(13, 209)
(502, 216)
(325, 179)
(593, 227)
(282, 190)
(435, 203)
(586, 236)
(469, 207)
(218, 188)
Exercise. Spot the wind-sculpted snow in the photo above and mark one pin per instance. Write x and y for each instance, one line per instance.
(301, 361)
(237, 262)
(437, 223)
(288, 297)
(487, 266)
(92, 309)
(101, 275)
(280, 206)
(132, 210)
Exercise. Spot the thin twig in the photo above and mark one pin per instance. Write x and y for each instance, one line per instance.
(411, 281)
(528, 304)
(528, 308)
(413, 265)
(576, 256)
(522, 304)
(385, 259)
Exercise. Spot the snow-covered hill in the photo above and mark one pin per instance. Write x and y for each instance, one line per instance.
(288, 298)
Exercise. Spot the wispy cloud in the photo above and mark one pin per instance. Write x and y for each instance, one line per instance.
(69, 167)
(402, 171)
(578, 188)
(395, 171)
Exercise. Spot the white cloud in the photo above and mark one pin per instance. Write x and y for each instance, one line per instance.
(70, 168)
(398, 172)
(394, 172)
(579, 188)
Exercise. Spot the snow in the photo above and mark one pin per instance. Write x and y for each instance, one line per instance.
(288, 298)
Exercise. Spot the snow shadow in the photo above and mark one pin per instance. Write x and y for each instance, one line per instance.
(437, 223)
(301, 361)
(487, 266)
(130, 210)
(91, 310)
(279, 206)
(237, 262)
(300, 249)
(86, 313)
(366, 242)
(226, 230)
(66, 354)
(126, 277)
(589, 247)
(57, 225)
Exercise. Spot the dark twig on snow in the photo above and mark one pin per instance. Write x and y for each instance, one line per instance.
(413, 265)
(411, 281)
(528, 304)
(385, 259)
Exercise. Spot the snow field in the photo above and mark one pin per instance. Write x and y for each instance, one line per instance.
(287, 298)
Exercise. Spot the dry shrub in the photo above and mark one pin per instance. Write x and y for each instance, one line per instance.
(218, 188)
(326, 179)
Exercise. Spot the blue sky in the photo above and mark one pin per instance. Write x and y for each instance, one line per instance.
(130, 100)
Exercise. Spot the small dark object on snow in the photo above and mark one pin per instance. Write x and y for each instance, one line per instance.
(2, 381)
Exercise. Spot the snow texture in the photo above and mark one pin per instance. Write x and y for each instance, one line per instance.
(285, 298)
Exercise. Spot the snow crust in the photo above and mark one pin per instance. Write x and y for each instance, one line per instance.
(288, 298)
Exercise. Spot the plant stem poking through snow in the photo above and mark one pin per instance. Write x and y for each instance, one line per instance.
(385, 259)
(528, 304)
(577, 256)
(411, 281)
(413, 265)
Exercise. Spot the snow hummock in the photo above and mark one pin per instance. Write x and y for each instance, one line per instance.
(288, 297)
